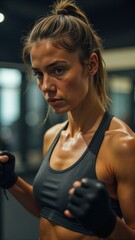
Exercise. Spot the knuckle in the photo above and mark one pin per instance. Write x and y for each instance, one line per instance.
(101, 189)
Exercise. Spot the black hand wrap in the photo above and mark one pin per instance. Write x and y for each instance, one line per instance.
(90, 203)
(7, 175)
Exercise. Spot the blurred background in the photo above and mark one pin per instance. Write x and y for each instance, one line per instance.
(22, 107)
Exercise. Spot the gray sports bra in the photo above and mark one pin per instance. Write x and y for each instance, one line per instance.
(51, 186)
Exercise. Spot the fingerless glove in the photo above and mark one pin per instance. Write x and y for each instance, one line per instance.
(90, 204)
(8, 177)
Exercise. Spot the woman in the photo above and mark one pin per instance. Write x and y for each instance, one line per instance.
(86, 181)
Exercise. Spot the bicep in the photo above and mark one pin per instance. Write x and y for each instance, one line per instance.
(126, 195)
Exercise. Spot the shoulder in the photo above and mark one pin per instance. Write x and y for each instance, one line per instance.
(121, 146)
(120, 136)
(50, 135)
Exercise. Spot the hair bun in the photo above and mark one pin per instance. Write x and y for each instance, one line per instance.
(62, 11)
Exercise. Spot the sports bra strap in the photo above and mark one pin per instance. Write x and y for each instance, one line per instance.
(100, 132)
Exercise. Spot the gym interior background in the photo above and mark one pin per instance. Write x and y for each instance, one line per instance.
(22, 107)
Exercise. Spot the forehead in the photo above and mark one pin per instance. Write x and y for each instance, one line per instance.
(45, 52)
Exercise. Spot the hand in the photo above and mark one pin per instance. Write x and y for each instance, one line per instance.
(7, 165)
(90, 203)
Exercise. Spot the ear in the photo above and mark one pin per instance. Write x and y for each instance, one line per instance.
(93, 64)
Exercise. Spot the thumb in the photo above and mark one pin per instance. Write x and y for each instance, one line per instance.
(4, 158)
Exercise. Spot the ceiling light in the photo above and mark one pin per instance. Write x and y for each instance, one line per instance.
(2, 17)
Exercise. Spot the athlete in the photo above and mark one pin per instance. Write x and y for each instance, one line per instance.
(85, 186)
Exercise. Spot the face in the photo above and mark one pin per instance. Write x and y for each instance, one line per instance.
(60, 76)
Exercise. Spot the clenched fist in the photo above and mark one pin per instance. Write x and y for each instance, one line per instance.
(8, 176)
(90, 203)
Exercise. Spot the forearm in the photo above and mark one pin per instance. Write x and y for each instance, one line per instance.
(122, 232)
(23, 193)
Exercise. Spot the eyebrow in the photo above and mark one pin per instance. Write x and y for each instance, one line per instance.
(50, 64)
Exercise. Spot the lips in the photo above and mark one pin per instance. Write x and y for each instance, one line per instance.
(54, 101)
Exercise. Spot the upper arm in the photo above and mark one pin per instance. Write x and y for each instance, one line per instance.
(125, 177)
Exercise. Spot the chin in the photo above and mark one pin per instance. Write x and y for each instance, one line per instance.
(60, 111)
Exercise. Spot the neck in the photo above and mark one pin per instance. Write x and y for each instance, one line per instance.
(85, 118)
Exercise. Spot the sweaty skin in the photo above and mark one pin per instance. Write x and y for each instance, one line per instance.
(68, 88)
(61, 77)
(117, 135)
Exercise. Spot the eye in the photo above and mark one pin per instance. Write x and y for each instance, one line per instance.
(58, 71)
(38, 74)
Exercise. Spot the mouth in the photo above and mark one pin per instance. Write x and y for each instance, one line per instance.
(54, 102)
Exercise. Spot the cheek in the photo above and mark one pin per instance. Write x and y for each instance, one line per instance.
(80, 84)
(78, 87)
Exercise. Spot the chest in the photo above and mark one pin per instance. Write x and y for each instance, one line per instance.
(51, 186)
(68, 151)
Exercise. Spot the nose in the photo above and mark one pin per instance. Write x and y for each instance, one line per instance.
(48, 84)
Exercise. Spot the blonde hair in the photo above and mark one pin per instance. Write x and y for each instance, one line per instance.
(68, 27)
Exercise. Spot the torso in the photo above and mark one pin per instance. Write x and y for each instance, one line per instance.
(51, 231)
(104, 170)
